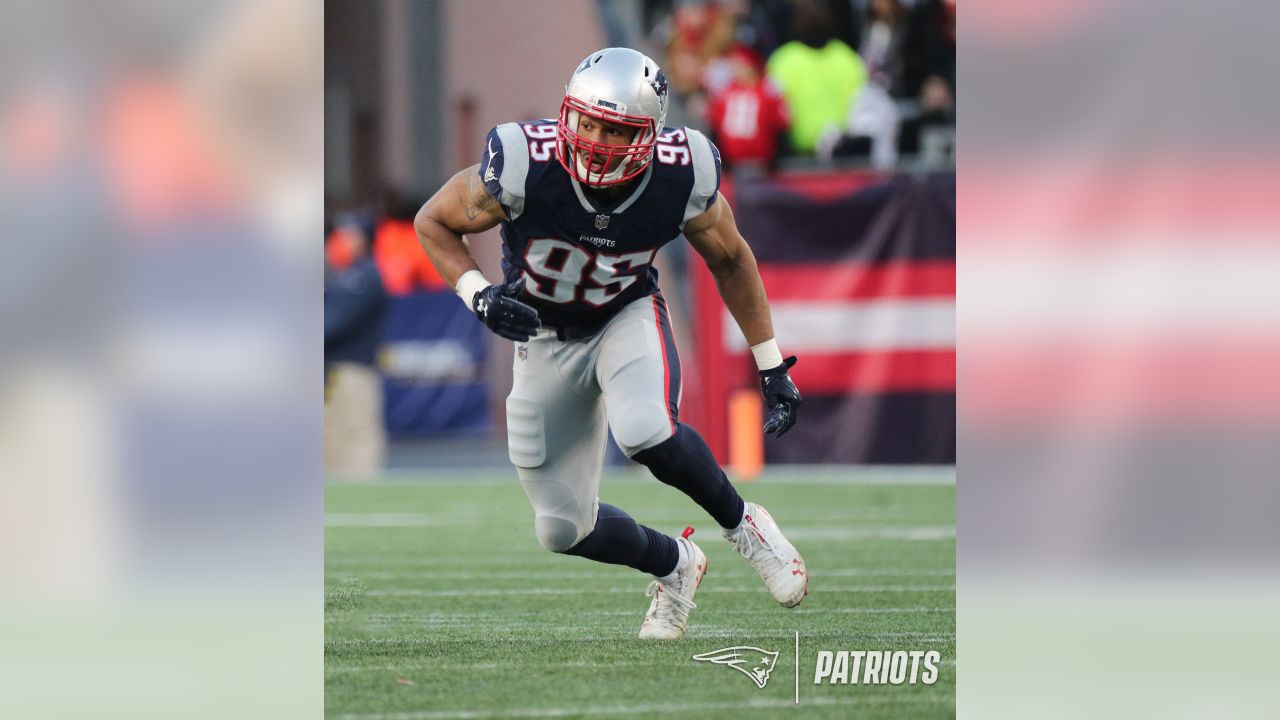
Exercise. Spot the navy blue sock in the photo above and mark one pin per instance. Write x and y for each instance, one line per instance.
(684, 462)
(619, 540)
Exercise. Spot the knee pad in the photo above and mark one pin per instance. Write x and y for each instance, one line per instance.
(526, 432)
(556, 533)
(639, 426)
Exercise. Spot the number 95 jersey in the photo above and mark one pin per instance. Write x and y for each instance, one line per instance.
(584, 262)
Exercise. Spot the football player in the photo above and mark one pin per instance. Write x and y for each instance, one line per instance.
(585, 201)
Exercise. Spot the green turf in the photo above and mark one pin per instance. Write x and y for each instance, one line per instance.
(440, 604)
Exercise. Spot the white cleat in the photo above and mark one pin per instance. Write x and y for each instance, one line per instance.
(759, 540)
(668, 614)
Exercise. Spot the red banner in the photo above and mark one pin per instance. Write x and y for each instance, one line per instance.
(860, 273)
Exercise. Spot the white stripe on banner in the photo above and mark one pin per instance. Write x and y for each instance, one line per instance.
(803, 326)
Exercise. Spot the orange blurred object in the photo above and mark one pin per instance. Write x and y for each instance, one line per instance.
(340, 248)
(401, 261)
(160, 159)
(746, 442)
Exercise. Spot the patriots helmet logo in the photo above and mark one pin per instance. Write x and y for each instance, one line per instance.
(659, 84)
(753, 662)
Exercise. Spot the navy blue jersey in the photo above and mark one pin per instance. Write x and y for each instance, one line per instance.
(583, 262)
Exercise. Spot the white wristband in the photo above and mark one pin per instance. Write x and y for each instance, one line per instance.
(767, 354)
(471, 282)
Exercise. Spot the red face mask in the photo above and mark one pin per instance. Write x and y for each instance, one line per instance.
(617, 163)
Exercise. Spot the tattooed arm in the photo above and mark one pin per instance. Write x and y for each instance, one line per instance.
(462, 206)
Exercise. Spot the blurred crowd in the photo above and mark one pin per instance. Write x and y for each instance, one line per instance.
(869, 79)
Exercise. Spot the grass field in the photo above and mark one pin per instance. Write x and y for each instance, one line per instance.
(440, 604)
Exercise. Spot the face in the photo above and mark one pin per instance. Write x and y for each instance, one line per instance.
(604, 133)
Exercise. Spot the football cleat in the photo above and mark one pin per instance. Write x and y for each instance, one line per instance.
(759, 540)
(668, 614)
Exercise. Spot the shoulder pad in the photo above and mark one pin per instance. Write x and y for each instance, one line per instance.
(706, 175)
(505, 166)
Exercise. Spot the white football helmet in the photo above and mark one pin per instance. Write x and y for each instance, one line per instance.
(618, 85)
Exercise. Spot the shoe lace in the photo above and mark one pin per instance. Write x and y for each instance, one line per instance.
(674, 602)
(754, 548)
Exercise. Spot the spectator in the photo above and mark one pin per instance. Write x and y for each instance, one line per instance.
(748, 117)
(881, 46)
(870, 132)
(760, 24)
(818, 75)
(737, 28)
(843, 21)
(930, 53)
(699, 33)
(929, 70)
(354, 304)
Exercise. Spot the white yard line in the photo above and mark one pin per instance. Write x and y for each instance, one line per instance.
(859, 475)
(672, 515)
(628, 590)
(852, 700)
(695, 634)
(620, 574)
(933, 532)
(795, 531)
(455, 617)
(381, 519)
(435, 665)
(508, 558)
(778, 474)
(525, 559)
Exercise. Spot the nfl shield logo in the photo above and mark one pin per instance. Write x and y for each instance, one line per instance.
(523, 352)
(602, 222)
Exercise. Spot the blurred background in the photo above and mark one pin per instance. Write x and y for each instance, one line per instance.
(161, 171)
(836, 124)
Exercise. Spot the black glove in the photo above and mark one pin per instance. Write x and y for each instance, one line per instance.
(497, 308)
(781, 398)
